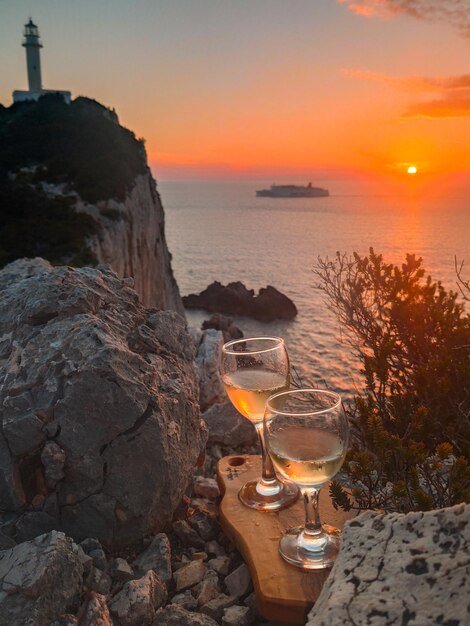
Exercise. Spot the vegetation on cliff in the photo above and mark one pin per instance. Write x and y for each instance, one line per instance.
(411, 427)
(80, 146)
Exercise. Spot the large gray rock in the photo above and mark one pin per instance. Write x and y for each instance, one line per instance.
(39, 580)
(98, 404)
(400, 569)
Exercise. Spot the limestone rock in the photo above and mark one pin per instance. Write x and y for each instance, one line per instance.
(39, 580)
(112, 385)
(237, 616)
(188, 535)
(236, 299)
(221, 565)
(207, 590)
(227, 427)
(213, 547)
(136, 603)
(400, 569)
(206, 525)
(211, 387)
(173, 615)
(238, 582)
(100, 582)
(206, 487)
(66, 620)
(97, 612)
(196, 336)
(157, 556)
(189, 575)
(23, 268)
(6, 541)
(215, 608)
(135, 245)
(186, 600)
(120, 570)
(93, 548)
(53, 459)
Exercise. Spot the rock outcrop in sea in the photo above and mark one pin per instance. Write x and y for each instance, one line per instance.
(98, 404)
(236, 299)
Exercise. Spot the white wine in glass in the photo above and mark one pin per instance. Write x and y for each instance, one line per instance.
(306, 432)
(252, 370)
(249, 389)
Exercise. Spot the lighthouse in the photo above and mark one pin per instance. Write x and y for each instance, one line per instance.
(33, 45)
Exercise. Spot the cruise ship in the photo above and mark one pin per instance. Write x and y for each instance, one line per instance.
(293, 191)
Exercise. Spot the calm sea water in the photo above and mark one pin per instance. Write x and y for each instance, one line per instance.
(221, 231)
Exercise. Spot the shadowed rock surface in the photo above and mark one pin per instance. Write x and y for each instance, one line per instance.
(227, 427)
(98, 405)
(400, 569)
(39, 580)
(236, 299)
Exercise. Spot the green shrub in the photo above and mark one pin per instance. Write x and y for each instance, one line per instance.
(34, 224)
(411, 428)
(79, 143)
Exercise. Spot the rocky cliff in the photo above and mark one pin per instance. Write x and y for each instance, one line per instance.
(75, 189)
(131, 239)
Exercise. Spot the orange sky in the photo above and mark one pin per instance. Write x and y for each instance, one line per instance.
(266, 88)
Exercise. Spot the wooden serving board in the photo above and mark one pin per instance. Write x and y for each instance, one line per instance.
(284, 593)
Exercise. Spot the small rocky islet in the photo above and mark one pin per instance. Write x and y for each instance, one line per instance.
(235, 299)
(114, 417)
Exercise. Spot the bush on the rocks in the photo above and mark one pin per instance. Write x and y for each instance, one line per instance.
(412, 426)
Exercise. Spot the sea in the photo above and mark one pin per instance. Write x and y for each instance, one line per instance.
(221, 231)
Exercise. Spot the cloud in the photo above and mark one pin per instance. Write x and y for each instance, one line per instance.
(454, 92)
(445, 107)
(413, 83)
(454, 12)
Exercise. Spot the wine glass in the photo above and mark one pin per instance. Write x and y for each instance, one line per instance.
(306, 432)
(253, 369)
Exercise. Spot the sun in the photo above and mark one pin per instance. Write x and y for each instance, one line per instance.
(412, 169)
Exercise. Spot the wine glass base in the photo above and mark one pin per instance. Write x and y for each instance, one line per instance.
(310, 554)
(282, 494)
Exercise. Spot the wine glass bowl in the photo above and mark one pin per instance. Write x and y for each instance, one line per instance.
(252, 370)
(306, 432)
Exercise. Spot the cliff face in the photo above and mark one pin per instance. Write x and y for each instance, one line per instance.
(75, 188)
(131, 239)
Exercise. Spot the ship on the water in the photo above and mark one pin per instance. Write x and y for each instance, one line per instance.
(293, 191)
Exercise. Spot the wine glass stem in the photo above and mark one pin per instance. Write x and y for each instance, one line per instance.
(268, 474)
(313, 525)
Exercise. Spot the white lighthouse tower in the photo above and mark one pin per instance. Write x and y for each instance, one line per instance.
(33, 45)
